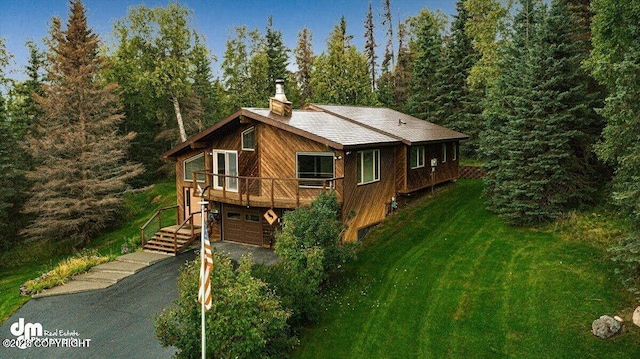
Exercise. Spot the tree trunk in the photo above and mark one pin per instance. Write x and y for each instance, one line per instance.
(176, 107)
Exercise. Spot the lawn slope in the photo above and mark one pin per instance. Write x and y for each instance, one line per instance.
(28, 261)
(445, 278)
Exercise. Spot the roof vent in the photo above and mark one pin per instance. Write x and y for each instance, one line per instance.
(279, 104)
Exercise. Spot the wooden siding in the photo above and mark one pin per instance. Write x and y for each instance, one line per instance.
(278, 160)
(367, 202)
(401, 167)
(421, 177)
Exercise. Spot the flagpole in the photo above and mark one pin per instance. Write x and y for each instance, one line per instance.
(202, 261)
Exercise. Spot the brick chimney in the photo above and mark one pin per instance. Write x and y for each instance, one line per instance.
(278, 104)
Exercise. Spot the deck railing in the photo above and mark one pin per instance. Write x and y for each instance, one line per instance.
(266, 191)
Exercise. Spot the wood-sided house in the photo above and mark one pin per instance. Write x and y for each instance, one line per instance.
(258, 163)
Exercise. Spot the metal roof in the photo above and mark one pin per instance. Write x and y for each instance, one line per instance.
(328, 126)
(337, 126)
(393, 123)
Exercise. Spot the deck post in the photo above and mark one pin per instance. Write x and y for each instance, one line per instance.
(272, 199)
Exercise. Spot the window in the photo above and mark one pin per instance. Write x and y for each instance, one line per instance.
(234, 216)
(444, 152)
(368, 166)
(249, 139)
(454, 154)
(194, 164)
(417, 157)
(251, 217)
(225, 164)
(314, 165)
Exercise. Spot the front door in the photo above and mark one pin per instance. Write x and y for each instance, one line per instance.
(243, 225)
(225, 164)
(191, 205)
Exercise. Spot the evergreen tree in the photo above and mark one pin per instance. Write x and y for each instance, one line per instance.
(304, 62)
(370, 46)
(458, 105)
(539, 123)
(340, 76)
(277, 57)
(9, 176)
(514, 137)
(17, 123)
(245, 70)
(387, 20)
(615, 62)
(403, 70)
(209, 101)
(80, 171)
(23, 107)
(426, 49)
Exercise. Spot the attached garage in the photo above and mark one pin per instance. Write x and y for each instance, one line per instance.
(242, 225)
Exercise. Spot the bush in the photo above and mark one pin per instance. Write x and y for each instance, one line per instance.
(62, 272)
(309, 249)
(627, 256)
(245, 321)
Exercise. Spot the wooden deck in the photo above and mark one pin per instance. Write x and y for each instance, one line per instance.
(172, 240)
(268, 192)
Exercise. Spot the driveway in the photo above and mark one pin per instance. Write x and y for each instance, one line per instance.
(115, 322)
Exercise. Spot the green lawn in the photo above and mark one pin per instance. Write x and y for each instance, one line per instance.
(446, 278)
(34, 260)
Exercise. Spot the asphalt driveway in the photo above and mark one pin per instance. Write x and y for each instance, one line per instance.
(115, 322)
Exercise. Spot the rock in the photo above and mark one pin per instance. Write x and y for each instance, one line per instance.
(605, 327)
(636, 316)
(618, 319)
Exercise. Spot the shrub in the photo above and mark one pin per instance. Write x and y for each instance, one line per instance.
(245, 321)
(309, 249)
(62, 272)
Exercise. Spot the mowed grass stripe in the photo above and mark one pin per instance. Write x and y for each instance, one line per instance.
(445, 278)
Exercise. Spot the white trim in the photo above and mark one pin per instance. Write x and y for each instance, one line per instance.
(419, 149)
(325, 154)
(444, 152)
(376, 164)
(184, 167)
(250, 129)
(226, 153)
(455, 152)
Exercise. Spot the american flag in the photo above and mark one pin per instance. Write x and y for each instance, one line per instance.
(206, 266)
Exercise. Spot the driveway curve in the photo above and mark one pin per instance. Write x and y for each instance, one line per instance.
(115, 322)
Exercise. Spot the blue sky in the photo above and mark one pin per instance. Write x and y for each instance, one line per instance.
(21, 20)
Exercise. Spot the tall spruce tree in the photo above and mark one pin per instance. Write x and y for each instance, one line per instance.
(459, 105)
(387, 21)
(8, 174)
(304, 61)
(18, 122)
(426, 48)
(538, 121)
(370, 46)
(80, 171)
(514, 141)
(277, 57)
(615, 62)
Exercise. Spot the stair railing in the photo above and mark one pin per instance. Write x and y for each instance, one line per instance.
(157, 216)
(175, 232)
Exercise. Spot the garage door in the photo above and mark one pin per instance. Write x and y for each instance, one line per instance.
(243, 225)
